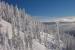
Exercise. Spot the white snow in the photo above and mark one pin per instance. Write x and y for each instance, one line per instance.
(6, 27)
(38, 46)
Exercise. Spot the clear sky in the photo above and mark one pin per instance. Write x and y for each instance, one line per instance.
(46, 8)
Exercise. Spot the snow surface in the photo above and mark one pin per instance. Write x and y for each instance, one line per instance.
(38, 46)
(6, 27)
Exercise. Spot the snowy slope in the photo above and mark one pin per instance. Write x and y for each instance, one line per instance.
(7, 27)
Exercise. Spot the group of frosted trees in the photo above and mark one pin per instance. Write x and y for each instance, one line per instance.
(24, 28)
(67, 37)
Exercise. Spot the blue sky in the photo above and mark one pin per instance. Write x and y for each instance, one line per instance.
(45, 9)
